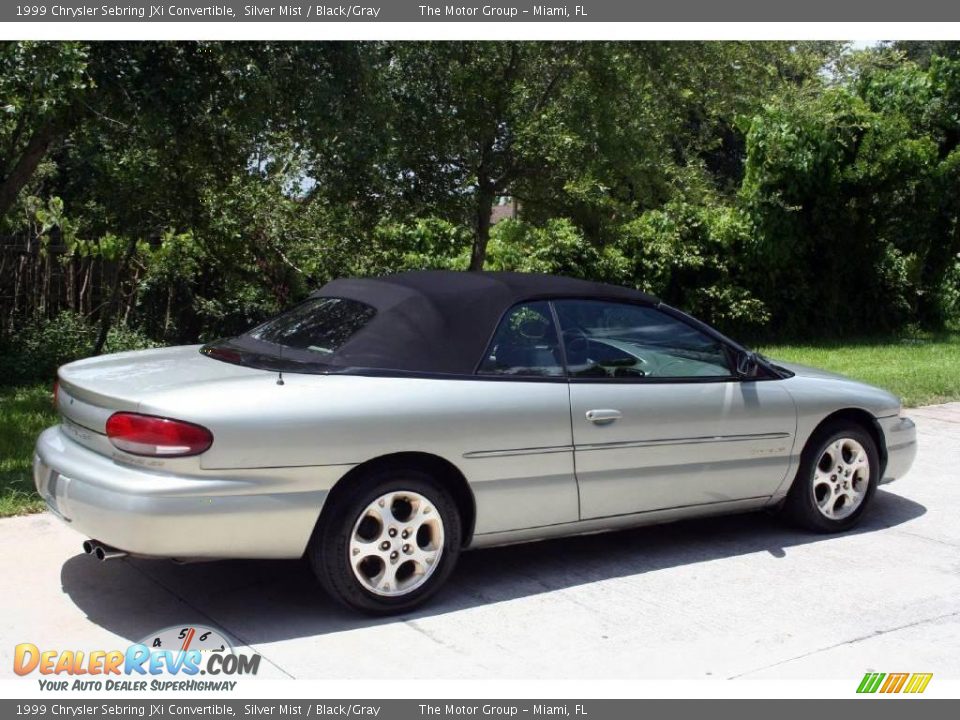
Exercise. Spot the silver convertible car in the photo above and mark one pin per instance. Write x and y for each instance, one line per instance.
(384, 425)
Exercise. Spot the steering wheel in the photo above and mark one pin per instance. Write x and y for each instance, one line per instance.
(534, 328)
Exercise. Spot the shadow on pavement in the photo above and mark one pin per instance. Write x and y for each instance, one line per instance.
(266, 601)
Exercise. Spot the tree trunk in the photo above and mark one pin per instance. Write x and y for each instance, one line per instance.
(478, 255)
(106, 319)
(23, 169)
(84, 304)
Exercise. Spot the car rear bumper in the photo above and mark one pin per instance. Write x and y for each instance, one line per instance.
(900, 436)
(244, 514)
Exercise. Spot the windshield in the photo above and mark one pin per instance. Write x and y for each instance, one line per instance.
(319, 325)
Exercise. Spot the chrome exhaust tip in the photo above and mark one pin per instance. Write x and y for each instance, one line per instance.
(89, 546)
(105, 552)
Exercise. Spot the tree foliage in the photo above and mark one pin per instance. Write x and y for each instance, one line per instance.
(190, 189)
(853, 193)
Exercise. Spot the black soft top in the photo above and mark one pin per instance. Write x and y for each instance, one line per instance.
(437, 321)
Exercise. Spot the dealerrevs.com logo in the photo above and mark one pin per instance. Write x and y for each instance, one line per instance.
(900, 682)
(170, 659)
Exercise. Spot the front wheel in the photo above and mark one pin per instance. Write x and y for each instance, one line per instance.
(838, 476)
(388, 543)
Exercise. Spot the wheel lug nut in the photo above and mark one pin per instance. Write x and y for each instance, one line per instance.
(406, 549)
(405, 534)
(394, 555)
(384, 545)
(392, 532)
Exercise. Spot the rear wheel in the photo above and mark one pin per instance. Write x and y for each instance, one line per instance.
(388, 543)
(838, 476)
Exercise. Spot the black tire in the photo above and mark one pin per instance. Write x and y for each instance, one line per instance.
(329, 549)
(801, 503)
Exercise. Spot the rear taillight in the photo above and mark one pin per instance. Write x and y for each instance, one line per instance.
(156, 436)
(56, 391)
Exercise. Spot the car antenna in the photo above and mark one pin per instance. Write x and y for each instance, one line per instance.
(280, 378)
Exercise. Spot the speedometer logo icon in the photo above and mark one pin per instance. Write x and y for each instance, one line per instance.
(188, 637)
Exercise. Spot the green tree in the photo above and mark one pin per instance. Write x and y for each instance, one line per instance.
(853, 192)
(40, 87)
(595, 131)
(465, 118)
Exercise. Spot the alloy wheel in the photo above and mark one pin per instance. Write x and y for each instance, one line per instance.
(841, 478)
(396, 543)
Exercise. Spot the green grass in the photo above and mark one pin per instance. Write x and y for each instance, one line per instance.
(24, 412)
(922, 370)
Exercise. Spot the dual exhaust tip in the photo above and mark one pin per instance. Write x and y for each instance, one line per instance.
(102, 552)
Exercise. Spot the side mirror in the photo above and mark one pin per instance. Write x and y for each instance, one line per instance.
(747, 365)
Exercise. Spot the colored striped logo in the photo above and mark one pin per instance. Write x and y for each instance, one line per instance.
(894, 682)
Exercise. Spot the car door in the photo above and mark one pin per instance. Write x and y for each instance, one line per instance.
(659, 419)
(520, 458)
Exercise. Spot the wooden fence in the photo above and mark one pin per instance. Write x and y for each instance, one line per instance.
(37, 281)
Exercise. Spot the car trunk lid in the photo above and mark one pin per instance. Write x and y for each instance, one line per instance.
(91, 390)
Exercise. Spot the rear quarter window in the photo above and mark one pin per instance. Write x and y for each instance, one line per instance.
(320, 325)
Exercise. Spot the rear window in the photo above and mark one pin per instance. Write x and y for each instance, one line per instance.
(320, 325)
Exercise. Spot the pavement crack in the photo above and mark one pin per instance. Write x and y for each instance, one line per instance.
(414, 625)
(206, 615)
(927, 538)
(853, 641)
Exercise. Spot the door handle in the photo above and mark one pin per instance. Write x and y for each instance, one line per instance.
(603, 417)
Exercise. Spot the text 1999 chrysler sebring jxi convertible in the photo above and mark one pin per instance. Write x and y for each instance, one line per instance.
(383, 425)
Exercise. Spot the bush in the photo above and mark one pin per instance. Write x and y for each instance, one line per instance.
(556, 248)
(421, 244)
(688, 256)
(854, 198)
(39, 346)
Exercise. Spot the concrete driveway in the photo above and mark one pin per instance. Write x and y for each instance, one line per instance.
(731, 597)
